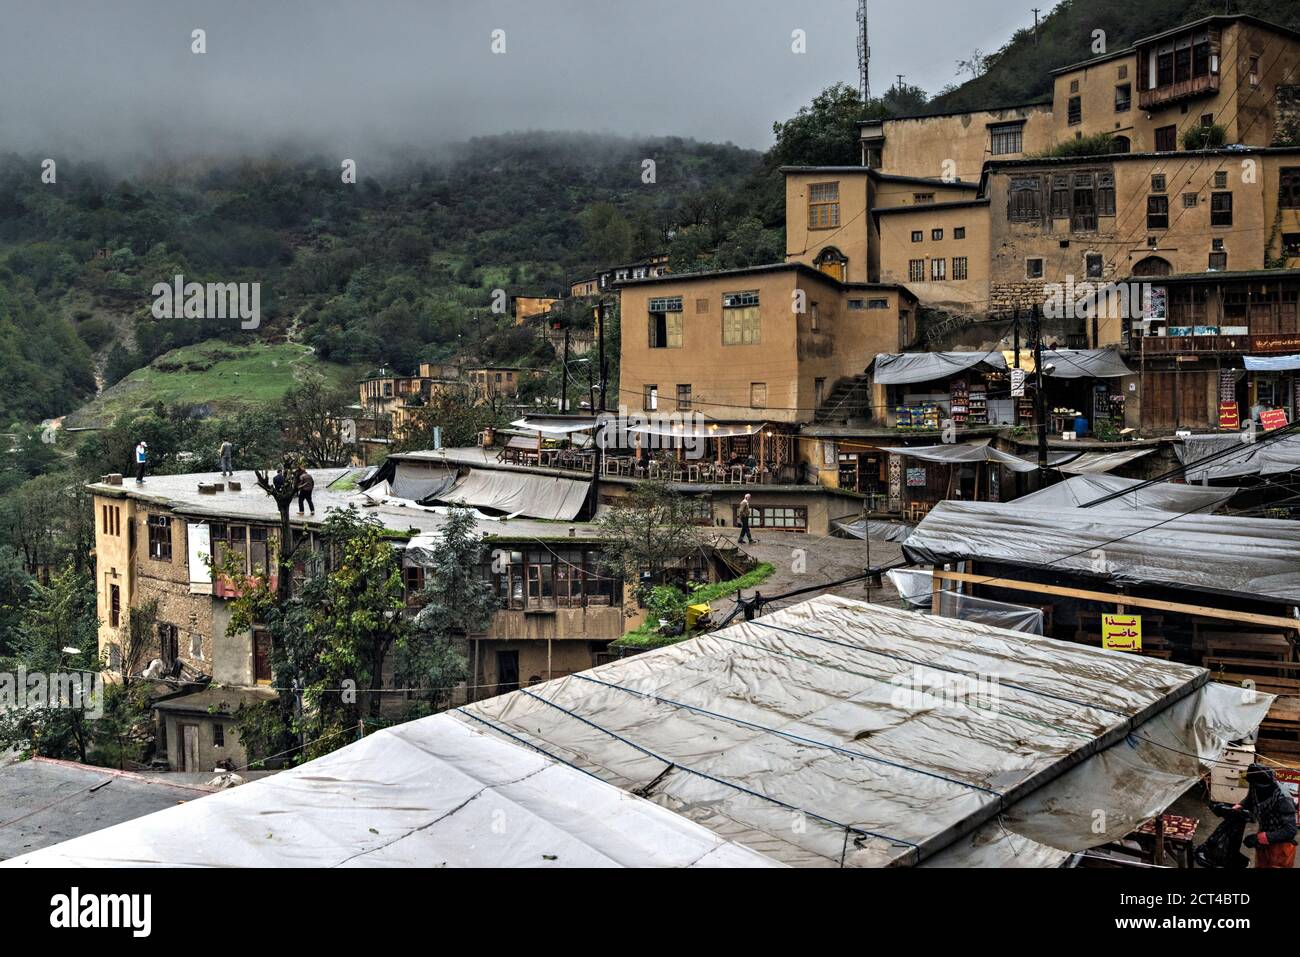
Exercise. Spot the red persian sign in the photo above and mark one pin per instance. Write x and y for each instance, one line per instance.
(1272, 419)
(1229, 416)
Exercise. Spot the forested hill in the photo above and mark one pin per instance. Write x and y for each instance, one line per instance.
(396, 268)
(1019, 71)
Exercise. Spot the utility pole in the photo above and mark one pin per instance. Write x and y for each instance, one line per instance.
(1015, 339)
(864, 54)
(564, 377)
(600, 341)
(899, 87)
(1036, 11)
(1040, 395)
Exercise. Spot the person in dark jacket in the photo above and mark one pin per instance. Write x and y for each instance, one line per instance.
(743, 512)
(1274, 814)
(305, 485)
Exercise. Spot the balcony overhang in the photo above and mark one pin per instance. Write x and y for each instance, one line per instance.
(1176, 92)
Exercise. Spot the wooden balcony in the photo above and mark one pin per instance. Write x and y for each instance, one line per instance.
(1280, 343)
(1173, 92)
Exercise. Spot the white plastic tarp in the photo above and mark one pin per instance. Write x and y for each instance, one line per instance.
(520, 493)
(1084, 363)
(915, 586)
(423, 794)
(1271, 363)
(1079, 490)
(1252, 557)
(904, 368)
(419, 483)
(1097, 463)
(199, 548)
(959, 453)
(554, 426)
(1240, 457)
(877, 531)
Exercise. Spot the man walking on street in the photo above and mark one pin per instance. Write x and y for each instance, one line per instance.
(141, 458)
(227, 451)
(305, 485)
(742, 516)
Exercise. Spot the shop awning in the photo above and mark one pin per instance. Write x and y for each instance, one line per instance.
(902, 368)
(1247, 557)
(694, 430)
(520, 493)
(554, 426)
(1074, 363)
(1272, 363)
(1079, 490)
(1094, 463)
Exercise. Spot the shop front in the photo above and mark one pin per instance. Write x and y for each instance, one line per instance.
(927, 391)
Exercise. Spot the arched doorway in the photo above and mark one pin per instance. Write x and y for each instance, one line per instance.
(833, 263)
(1120, 144)
(1152, 266)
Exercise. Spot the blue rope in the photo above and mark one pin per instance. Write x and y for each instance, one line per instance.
(926, 664)
(794, 737)
(722, 781)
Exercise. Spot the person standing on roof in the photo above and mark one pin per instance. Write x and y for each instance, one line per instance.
(743, 511)
(305, 484)
(141, 459)
(1274, 812)
(226, 451)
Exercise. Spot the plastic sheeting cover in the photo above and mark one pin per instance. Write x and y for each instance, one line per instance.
(1271, 363)
(1216, 553)
(973, 452)
(1266, 457)
(1079, 490)
(422, 794)
(915, 586)
(1084, 363)
(874, 530)
(1096, 463)
(902, 368)
(845, 712)
(520, 493)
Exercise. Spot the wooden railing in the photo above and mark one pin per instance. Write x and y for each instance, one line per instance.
(1282, 343)
(1173, 92)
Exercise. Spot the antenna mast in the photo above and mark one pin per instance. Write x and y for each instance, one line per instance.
(864, 54)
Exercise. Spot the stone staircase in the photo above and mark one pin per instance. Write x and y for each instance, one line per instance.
(849, 401)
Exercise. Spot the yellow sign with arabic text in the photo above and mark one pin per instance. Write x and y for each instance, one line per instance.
(1121, 632)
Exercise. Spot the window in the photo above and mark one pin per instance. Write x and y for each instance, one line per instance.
(1157, 212)
(1189, 200)
(1123, 97)
(1254, 72)
(160, 538)
(1289, 189)
(1006, 138)
(259, 559)
(168, 643)
(814, 316)
(758, 395)
(916, 270)
(1026, 204)
(856, 305)
(1218, 261)
(740, 319)
(1158, 183)
(413, 579)
(1122, 74)
(114, 606)
(823, 205)
(1166, 139)
(877, 303)
(114, 657)
(917, 235)
(922, 199)
(683, 398)
(819, 392)
(218, 734)
(651, 398)
(1220, 209)
(1074, 110)
(938, 269)
(768, 516)
(1034, 268)
(958, 267)
(1106, 194)
(1060, 197)
(1165, 68)
(1093, 265)
(1291, 245)
(959, 232)
(936, 235)
(666, 323)
(543, 579)
(1221, 179)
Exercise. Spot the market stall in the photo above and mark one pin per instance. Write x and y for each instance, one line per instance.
(926, 389)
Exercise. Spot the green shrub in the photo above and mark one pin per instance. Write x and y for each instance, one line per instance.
(1205, 137)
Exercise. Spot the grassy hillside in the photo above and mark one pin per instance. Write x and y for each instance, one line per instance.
(216, 377)
(1018, 72)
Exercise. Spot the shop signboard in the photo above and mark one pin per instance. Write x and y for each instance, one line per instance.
(916, 478)
(1017, 383)
(1121, 632)
(1229, 416)
(1273, 419)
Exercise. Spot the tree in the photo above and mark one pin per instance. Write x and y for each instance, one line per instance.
(824, 133)
(977, 64)
(649, 530)
(607, 234)
(313, 415)
(460, 420)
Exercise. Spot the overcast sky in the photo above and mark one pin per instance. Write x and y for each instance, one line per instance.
(94, 76)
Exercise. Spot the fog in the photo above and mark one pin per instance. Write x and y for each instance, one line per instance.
(91, 79)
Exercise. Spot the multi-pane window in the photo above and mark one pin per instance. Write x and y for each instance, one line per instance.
(959, 232)
(1291, 245)
(1157, 212)
(1074, 110)
(740, 319)
(1061, 197)
(1026, 204)
(683, 398)
(959, 267)
(544, 579)
(1166, 139)
(936, 234)
(758, 395)
(823, 205)
(938, 269)
(1189, 200)
(1123, 97)
(922, 199)
(917, 236)
(651, 398)
(1220, 209)
(770, 516)
(666, 323)
(915, 270)
(1006, 138)
(413, 580)
(259, 558)
(1221, 179)
(877, 303)
(1157, 182)
(218, 735)
(1218, 262)
(160, 537)
(1288, 196)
